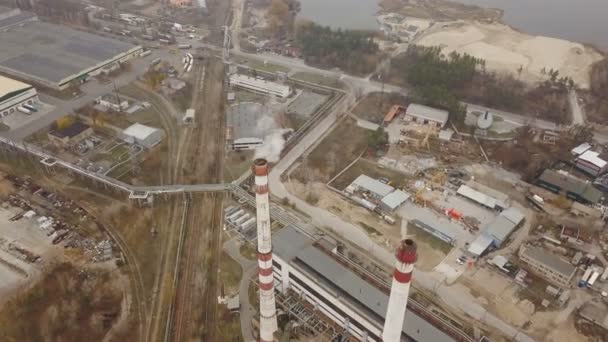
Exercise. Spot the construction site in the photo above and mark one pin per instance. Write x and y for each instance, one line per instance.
(204, 193)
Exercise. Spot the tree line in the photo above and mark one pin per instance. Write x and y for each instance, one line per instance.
(443, 81)
(350, 50)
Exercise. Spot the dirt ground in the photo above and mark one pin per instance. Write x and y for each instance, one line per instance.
(506, 50)
(324, 198)
(236, 164)
(429, 253)
(374, 106)
(333, 154)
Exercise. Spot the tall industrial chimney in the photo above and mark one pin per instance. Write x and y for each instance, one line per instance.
(397, 303)
(268, 317)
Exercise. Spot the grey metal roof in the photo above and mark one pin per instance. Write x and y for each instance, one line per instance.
(373, 185)
(513, 215)
(52, 52)
(571, 184)
(480, 244)
(477, 196)
(343, 280)
(395, 199)
(426, 112)
(430, 220)
(288, 242)
(500, 229)
(289, 245)
(550, 260)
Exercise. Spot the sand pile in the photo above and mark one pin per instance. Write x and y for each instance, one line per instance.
(505, 49)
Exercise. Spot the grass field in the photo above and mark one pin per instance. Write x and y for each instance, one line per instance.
(334, 153)
(260, 65)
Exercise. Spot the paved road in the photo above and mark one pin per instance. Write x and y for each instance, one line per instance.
(516, 119)
(232, 247)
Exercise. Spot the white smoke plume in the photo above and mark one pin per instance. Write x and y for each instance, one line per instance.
(273, 145)
(273, 138)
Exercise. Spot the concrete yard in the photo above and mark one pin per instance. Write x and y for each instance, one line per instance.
(18, 119)
(306, 103)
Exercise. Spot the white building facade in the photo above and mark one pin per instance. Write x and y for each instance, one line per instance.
(142, 135)
(259, 85)
(14, 94)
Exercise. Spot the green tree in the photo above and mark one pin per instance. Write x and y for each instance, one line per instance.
(377, 139)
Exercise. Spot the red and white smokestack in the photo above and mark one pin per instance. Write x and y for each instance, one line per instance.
(397, 303)
(268, 317)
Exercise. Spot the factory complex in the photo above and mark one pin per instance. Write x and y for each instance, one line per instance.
(314, 270)
(52, 55)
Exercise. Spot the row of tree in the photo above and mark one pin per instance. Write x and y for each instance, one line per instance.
(435, 78)
(352, 51)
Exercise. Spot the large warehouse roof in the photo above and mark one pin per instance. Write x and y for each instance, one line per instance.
(571, 184)
(9, 86)
(333, 275)
(477, 196)
(53, 53)
(504, 225)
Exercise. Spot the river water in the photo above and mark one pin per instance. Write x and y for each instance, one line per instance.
(346, 14)
(584, 21)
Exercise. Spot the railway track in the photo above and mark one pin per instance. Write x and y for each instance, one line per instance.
(194, 310)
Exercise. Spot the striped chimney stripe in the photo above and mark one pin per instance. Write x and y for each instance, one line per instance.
(261, 189)
(265, 271)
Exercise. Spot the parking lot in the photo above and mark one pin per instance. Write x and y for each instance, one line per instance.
(18, 119)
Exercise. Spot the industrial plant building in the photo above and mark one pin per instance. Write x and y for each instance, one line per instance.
(438, 226)
(425, 115)
(73, 133)
(372, 193)
(592, 163)
(143, 135)
(259, 85)
(574, 188)
(52, 55)
(497, 232)
(14, 95)
(548, 266)
(313, 270)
